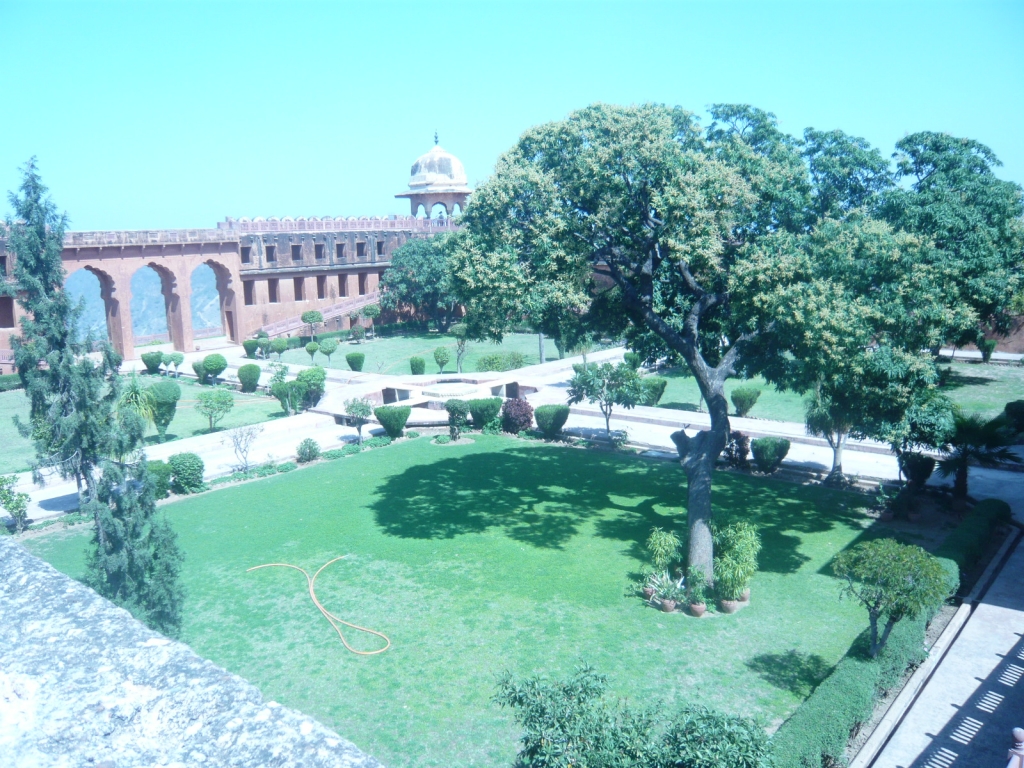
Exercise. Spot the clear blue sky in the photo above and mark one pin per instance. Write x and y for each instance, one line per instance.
(151, 115)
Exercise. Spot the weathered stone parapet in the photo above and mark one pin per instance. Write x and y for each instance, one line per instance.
(82, 683)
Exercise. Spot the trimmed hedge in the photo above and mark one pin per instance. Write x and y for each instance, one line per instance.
(355, 360)
(653, 388)
(214, 365)
(160, 472)
(9, 382)
(250, 346)
(484, 410)
(744, 398)
(551, 419)
(152, 361)
(966, 543)
(417, 365)
(393, 418)
(187, 473)
(249, 377)
(200, 371)
(818, 732)
(769, 452)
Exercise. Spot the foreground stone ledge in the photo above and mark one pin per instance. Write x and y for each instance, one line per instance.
(82, 683)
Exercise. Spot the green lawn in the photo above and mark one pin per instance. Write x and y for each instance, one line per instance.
(682, 394)
(392, 355)
(248, 409)
(502, 554)
(984, 388)
(15, 451)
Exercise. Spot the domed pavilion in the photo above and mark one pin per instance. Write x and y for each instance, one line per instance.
(437, 179)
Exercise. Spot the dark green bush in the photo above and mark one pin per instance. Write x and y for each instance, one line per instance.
(917, 467)
(987, 347)
(744, 399)
(249, 377)
(357, 333)
(966, 543)
(516, 416)
(152, 361)
(769, 452)
(293, 342)
(186, 473)
(313, 381)
(308, 450)
(355, 360)
(501, 361)
(214, 365)
(250, 346)
(200, 371)
(377, 442)
(551, 419)
(9, 382)
(412, 435)
(458, 417)
(443, 439)
(1014, 411)
(484, 410)
(160, 472)
(266, 470)
(393, 418)
(633, 360)
(351, 448)
(653, 388)
(165, 395)
(288, 466)
(417, 365)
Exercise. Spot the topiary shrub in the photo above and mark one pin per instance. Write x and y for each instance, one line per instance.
(458, 411)
(551, 419)
(160, 472)
(200, 371)
(186, 473)
(653, 388)
(769, 452)
(327, 347)
(311, 349)
(355, 360)
(250, 346)
(279, 346)
(313, 382)
(165, 395)
(744, 399)
(214, 365)
(633, 360)
(1014, 411)
(308, 450)
(516, 416)
(357, 334)
(918, 468)
(249, 377)
(987, 347)
(484, 410)
(152, 361)
(417, 365)
(441, 357)
(393, 418)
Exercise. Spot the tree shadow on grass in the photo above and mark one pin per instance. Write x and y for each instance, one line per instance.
(793, 671)
(682, 407)
(954, 380)
(543, 496)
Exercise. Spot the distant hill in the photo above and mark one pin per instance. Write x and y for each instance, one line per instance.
(148, 314)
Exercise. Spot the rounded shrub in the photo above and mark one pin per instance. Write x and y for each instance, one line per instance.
(516, 415)
(744, 399)
(200, 371)
(215, 365)
(417, 365)
(918, 468)
(328, 347)
(769, 452)
(551, 419)
(458, 412)
(250, 346)
(186, 473)
(279, 346)
(249, 377)
(393, 418)
(308, 450)
(262, 335)
(633, 360)
(652, 389)
(312, 383)
(355, 360)
(160, 474)
(152, 361)
(165, 395)
(311, 349)
(442, 356)
(987, 347)
(484, 410)
(442, 439)
(357, 334)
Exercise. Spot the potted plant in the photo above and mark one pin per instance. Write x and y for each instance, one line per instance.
(697, 591)
(670, 595)
(735, 564)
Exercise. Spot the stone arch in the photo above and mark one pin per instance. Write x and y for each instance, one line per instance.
(226, 292)
(116, 308)
(143, 280)
(421, 211)
(456, 209)
(84, 287)
(439, 211)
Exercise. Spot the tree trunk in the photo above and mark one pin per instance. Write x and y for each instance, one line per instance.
(960, 481)
(873, 621)
(837, 454)
(607, 421)
(540, 344)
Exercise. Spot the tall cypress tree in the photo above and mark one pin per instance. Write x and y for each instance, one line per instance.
(72, 421)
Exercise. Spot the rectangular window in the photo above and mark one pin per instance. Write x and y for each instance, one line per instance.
(362, 284)
(298, 283)
(6, 312)
(380, 247)
(321, 286)
(246, 254)
(272, 290)
(342, 286)
(250, 296)
(339, 250)
(271, 253)
(318, 250)
(296, 253)
(360, 250)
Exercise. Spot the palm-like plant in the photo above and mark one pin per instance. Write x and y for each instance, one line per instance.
(973, 440)
(136, 398)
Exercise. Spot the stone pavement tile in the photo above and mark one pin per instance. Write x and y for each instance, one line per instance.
(965, 713)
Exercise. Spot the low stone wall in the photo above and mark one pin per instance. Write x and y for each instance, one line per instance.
(82, 683)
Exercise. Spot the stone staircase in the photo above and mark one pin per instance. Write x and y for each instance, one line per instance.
(342, 308)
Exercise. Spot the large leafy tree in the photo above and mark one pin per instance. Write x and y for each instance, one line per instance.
(418, 277)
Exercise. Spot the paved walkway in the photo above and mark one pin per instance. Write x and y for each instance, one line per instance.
(964, 715)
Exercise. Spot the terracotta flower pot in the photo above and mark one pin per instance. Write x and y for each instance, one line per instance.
(668, 606)
(648, 592)
(729, 606)
(745, 597)
(697, 609)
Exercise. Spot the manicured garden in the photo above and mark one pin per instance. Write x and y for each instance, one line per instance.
(489, 556)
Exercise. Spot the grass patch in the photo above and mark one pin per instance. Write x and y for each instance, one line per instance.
(489, 558)
(16, 452)
(682, 394)
(984, 389)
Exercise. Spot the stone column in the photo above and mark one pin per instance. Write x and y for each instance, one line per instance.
(177, 290)
(117, 298)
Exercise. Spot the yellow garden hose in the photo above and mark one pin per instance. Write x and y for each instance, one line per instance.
(334, 620)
